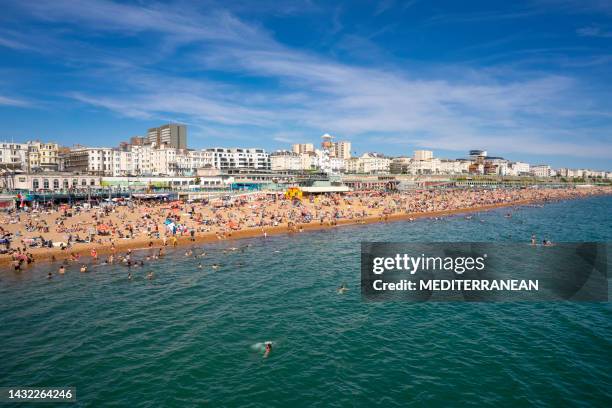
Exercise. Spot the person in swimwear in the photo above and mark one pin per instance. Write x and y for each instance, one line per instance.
(84, 268)
(533, 240)
(62, 270)
(342, 288)
(268, 348)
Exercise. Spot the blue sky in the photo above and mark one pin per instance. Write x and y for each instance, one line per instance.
(526, 80)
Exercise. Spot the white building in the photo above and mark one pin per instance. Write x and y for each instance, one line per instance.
(541, 170)
(13, 155)
(199, 159)
(93, 160)
(50, 181)
(237, 158)
(452, 166)
(368, 163)
(282, 160)
(141, 159)
(429, 166)
(518, 169)
(500, 165)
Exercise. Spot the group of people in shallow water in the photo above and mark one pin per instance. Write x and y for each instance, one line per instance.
(126, 260)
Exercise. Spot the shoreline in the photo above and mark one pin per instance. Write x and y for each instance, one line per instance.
(45, 255)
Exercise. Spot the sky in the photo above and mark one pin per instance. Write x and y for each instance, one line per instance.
(526, 80)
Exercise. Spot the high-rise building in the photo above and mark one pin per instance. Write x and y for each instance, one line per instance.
(423, 155)
(301, 148)
(342, 149)
(171, 135)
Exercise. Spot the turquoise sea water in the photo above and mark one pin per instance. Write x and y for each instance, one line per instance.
(192, 337)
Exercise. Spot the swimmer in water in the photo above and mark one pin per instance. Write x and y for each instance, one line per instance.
(129, 275)
(533, 240)
(199, 266)
(84, 268)
(215, 266)
(342, 289)
(268, 348)
(61, 270)
(150, 275)
(49, 275)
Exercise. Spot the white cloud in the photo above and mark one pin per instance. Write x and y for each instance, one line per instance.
(6, 101)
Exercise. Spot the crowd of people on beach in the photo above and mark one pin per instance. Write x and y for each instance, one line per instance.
(65, 231)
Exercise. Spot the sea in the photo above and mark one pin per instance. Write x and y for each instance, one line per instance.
(194, 335)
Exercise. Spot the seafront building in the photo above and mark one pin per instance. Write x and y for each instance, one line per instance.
(237, 158)
(284, 160)
(368, 163)
(43, 156)
(163, 155)
(302, 148)
(170, 135)
(51, 182)
(13, 155)
(541, 170)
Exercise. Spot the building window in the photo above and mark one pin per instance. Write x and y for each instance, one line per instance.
(46, 184)
(92, 182)
(55, 184)
(75, 182)
(35, 184)
(66, 184)
(84, 182)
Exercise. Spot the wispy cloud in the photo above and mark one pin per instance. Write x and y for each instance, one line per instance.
(6, 101)
(594, 31)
